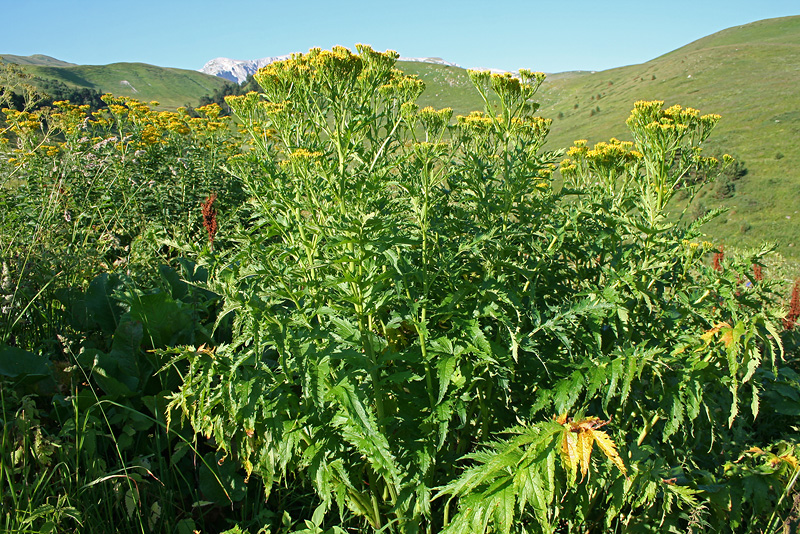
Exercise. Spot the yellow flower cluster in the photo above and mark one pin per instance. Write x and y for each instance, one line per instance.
(601, 164)
(150, 135)
(505, 82)
(69, 118)
(401, 88)
(476, 122)
(531, 129)
(210, 111)
(244, 105)
(320, 69)
(568, 167)
(534, 79)
(322, 77)
(434, 121)
(302, 157)
(302, 153)
(512, 90)
(545, 174)
(612, 153)
(22, 123)
(667, 127)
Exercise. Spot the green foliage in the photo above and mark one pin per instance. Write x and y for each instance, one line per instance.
(410, 290)
(229, 89)
(111, 190)
(94, 207)
(411, 325)
(55, 91)
(84, 439)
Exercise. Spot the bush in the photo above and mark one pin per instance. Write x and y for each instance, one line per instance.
(93, 205)
(430, 337)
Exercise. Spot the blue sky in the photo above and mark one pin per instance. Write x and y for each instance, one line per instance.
(506, 34)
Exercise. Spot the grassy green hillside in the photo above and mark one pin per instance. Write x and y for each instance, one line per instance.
(36, 59)
(170, 87)
(748, 74)
(445, 87)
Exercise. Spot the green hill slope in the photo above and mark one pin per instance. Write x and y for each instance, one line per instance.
(748, 74)
(445, 86)
(36, 59)
(170, 87)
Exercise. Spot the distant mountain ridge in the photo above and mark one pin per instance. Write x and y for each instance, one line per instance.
(36, 59)
(237, 70)
(171, 87)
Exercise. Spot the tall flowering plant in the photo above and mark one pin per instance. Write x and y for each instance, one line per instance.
(432, 337)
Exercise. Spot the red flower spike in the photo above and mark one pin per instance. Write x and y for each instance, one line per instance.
(717, 264)
(210, 218)
(758, 275)
(790, 321)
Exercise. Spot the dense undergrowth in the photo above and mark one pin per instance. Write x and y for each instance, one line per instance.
(358, 315)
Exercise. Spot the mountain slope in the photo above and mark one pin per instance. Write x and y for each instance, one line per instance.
(36, 59)
(749, 75)
(170, 87)
(237, 70)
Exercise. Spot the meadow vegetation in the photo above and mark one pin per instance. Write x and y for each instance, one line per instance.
(340, 311)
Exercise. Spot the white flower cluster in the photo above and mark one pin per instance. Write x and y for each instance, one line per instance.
(6, 291)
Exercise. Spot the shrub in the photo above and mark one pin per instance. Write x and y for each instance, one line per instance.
(430, 336)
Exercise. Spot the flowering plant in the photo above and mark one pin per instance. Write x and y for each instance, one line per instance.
(414, 300)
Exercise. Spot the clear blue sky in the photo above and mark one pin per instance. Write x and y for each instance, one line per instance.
(507, 34)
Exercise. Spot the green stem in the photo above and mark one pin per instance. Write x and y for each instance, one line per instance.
(786, 492)
(373, 488)
(647, 428)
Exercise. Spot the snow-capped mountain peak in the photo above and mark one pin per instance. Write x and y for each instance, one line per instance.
(237, 70)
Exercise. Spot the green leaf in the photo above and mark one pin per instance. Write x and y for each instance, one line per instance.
(19, 363)
(221, 480)
(118, 373)
(445, 367)
(102, 308)
(360, 429)
(164, 320)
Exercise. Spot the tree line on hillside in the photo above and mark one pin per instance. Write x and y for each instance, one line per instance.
(54, 91)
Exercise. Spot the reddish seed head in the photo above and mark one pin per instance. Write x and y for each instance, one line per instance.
(757, 274)
(210, 218)
(790, 321)
(718, 259)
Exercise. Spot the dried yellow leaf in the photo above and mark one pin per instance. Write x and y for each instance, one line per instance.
(609, 449)
(789, 459)
(569, 451)
(585, 442)
(727, 337)
(577, 442)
